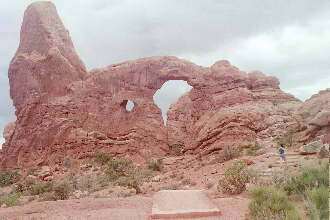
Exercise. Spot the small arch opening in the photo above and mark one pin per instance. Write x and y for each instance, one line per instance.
(170, 92)
(128, 105)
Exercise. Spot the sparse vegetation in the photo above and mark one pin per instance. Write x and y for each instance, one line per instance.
(271, 203)
(155, 164)
(275, 103)
(199, 157)
(31, 171)
(123, 171)
(318, 203)
(10, 199)
(68, 162)
(252, 150)
(62, 191)
(9, 177)
(42, 188)
(235, 179)
(177, 148)
(101, 158)
(227, 153)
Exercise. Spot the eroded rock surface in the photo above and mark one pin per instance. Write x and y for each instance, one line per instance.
(64, 110)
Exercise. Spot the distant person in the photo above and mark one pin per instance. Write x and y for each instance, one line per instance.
(282, 153)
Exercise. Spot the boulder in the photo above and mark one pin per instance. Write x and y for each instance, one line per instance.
(31, 178)
(44, 172)
(311, 148)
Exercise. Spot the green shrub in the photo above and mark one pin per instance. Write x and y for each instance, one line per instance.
(319, 209)
(252, 150)
(177, 148)
(101, 158)
(42, 188)
(68, 162)
(155, 165)
(62, 191)
(271, 203)
(9, 177)
(10, 199)
(310, 178)
(235, 179)
(31, 171)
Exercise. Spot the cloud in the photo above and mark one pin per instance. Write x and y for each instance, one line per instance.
(286, 39)
(2, 141)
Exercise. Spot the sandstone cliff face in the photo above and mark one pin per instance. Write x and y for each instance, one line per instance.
(314, 117)
(63, 110)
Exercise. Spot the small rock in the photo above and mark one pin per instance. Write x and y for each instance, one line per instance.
(56, 168)
(248, 162)
(48, 178)
(270, 165)
(44, 172)
(214, 171)
(156, 179)
(95, 169)
(4, 205)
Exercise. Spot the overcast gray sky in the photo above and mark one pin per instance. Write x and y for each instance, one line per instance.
(289, 39)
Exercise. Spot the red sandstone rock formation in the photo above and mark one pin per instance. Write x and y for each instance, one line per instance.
(63, 110)
(314, 117)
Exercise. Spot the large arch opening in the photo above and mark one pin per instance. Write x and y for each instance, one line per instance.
(169, 93)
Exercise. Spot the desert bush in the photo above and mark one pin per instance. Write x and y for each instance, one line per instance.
(31, 171)
(155, 164)
(62, 191)
(10, 199)
(118, 167)
(24, 187)
(318, 205)
(177, 148)
(123, 171)
(48, 196)
(68, 162)
(235, 178)
(101, 158)
(42, 188)
(9, 177)
(252, 150)
(270, 203)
